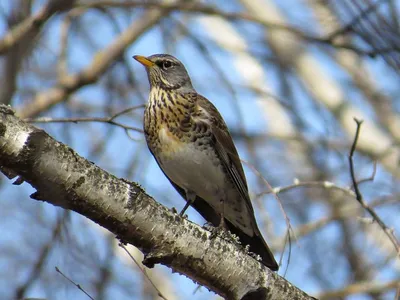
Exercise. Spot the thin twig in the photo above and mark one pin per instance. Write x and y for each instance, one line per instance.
(360, 287)
(43, 255)
(233, 16)
(62, 69)
(34, 22)
(359, 197)
(297, 184)
(356, 20)
(190, 8)
(76, 284)
(287, 220)
(142, 270)
(288, 241)
(100, 63)
(313, 226)
(351, 164)
(369, 178)
(109, 120)
(322, 184)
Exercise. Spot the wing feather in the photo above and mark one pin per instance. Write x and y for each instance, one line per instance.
(227, 151)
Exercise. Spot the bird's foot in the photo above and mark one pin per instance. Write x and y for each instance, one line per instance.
(185, 208)
(223, 233)
(222, 224)
(217, 232)
(181, 214)
(221, 230)
(256, 256)
(208, 226)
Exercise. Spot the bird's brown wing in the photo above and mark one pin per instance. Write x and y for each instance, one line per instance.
(230, 158)
(227, 151)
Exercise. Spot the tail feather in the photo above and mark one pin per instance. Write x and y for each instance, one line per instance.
(257, 246)
(256, 242)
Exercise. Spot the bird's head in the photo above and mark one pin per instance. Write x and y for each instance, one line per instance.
(166, 72)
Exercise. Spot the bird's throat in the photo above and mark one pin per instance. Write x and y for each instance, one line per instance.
(169, 107)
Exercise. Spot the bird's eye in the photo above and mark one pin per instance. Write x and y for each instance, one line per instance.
(166, 64)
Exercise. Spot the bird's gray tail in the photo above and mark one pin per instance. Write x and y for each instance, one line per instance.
(256, 242)
(257, 245)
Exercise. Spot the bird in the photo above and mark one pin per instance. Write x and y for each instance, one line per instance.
(191, 144)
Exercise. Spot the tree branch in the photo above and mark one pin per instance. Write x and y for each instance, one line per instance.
(359, 197)
(63, 178)
(100, 63)
(23, 29)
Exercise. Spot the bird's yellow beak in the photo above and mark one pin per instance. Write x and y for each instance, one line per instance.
(144, 61)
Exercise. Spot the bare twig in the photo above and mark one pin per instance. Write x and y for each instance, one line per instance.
(321, 184)
(310, 227)
(190, 8)
(297, 184)
(100, 63)
(43, 255)
(373, 27)
(211, 10)
(349, 27)
(371, 177)
(362, 287)
(17, 33)
(143, 271)
(76, 284)
(109, 120)
(62, 70)
(287, 220)
(359, 197)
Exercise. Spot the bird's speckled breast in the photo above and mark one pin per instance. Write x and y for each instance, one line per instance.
(167, 122)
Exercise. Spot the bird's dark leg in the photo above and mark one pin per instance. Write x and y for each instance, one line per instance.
(185, 208)
(190, 197)
(221, 229)
(222, 221)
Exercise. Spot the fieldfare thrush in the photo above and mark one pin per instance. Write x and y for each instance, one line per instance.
(192, 145)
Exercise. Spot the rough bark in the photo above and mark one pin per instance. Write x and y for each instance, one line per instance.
(63, 178)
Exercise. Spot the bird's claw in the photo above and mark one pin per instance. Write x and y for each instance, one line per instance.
(181, 214)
